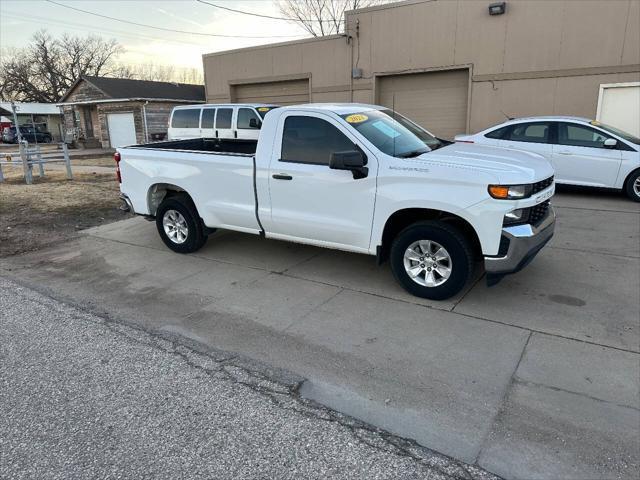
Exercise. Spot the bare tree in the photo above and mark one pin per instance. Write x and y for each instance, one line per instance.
(162, 73)
(44, 70)
(322, 17)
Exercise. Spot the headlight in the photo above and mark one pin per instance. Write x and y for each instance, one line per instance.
(515, 216)
(510, 192)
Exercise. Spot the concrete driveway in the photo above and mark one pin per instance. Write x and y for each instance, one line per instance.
(537, 377)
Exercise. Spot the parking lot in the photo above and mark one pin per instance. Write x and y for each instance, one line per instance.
(537, 377)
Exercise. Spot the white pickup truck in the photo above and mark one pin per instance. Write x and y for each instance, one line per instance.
(352, 177)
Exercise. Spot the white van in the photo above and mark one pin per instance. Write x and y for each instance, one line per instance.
(237, 120)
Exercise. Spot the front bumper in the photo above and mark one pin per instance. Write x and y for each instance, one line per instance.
(519, 245)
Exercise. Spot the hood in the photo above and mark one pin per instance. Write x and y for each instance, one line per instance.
(508, 165)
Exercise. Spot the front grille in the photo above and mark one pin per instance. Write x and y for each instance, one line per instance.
(538, 212)
(541, 185)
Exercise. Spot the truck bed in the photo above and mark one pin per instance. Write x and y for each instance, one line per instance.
(227, 146)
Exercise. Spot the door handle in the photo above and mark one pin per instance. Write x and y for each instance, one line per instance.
(565, 153)
(282, 176)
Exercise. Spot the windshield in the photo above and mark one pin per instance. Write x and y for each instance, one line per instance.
(392, 133)
(627, 136)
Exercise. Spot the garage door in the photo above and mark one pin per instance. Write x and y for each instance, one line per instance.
(289, 92)
(122, 129)
(435, 100)
(619, 106)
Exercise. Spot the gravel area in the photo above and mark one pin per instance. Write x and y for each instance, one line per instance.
(88, 397)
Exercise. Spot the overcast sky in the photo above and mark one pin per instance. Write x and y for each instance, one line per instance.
(19, 19)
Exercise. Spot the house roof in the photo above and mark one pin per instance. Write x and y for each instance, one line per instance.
(30, 109)
(125, 88)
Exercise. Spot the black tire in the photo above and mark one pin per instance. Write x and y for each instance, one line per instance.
(456, 246)
(632, 193)
(196, 234)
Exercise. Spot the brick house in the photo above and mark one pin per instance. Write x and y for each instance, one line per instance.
(103, 112)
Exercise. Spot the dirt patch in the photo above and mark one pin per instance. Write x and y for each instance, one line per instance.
(95, 162)
(53, 209)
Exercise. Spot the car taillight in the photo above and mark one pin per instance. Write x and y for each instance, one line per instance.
(117, 158)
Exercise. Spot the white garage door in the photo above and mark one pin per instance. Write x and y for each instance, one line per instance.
(122, 129)
(435, 100)
(619, 106)
(289, 92)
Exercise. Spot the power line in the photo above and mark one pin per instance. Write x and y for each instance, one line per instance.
(168, 29)
(253, 14)
(86, 28)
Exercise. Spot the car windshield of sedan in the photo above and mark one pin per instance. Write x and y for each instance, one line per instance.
(392, 133)
(627, 136)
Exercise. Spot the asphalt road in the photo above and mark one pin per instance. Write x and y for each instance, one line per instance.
(84, 397)
(535, 378)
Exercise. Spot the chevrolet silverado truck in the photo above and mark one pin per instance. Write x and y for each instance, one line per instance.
(353, 177)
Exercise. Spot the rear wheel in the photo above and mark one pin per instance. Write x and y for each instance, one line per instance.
(632, 186)
(431, 260)
(179, 225)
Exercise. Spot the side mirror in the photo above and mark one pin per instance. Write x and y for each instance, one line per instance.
(352, 160)
(610, 143)
(254, 123)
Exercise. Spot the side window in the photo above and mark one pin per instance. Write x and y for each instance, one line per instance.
(208, 116)
(537, 132)
(223, 119)
(580, 136)
(497, 134)
(311, 140)
(244, 117)
(186, 118)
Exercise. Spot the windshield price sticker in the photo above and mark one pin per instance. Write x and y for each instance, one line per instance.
(357, 118)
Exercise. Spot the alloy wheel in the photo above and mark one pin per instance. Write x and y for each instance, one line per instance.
(175, 226)
(427, 263)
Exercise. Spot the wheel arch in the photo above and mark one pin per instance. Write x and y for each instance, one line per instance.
(159, 191)
(627, 188)
(632, 173)
(401, 219)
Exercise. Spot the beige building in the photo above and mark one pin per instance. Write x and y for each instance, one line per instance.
(449, 64)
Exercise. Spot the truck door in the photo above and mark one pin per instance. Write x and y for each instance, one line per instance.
(309, 201)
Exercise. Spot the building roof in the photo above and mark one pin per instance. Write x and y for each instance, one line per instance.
(30, 109)
(126, 89)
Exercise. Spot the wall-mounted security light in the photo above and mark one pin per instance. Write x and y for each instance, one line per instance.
(497, 8)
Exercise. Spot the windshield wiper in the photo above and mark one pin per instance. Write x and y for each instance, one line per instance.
(414, 153)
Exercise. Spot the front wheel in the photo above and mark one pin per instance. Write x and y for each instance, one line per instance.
(179, 225)
(633, 186)
(431, 260)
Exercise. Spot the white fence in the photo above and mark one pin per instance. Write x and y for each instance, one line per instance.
(30, 155)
